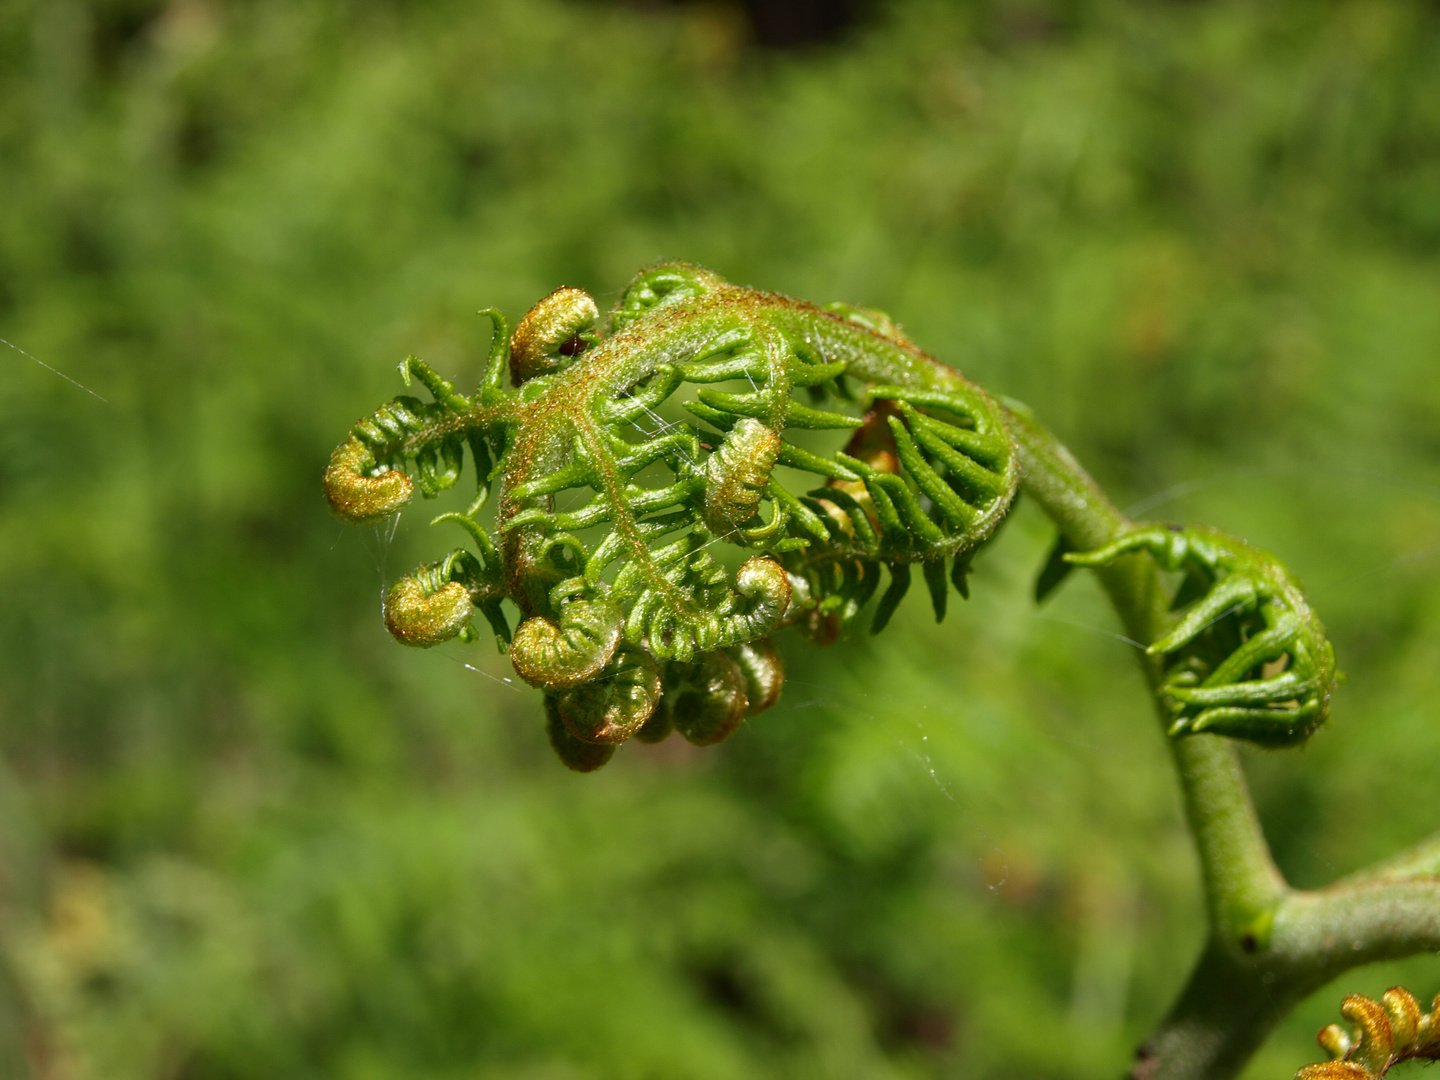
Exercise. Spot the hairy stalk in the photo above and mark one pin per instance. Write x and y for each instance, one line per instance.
(1269, 946)
(667, 500)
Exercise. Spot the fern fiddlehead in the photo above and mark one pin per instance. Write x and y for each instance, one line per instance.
(639, 462)
(631, 460)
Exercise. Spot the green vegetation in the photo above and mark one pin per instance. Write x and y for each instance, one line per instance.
(246, 836)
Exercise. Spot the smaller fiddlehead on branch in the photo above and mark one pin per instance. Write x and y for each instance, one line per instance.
(1245, 657)
(1385, 1033)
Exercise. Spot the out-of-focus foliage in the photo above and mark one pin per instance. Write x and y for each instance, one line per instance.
(244, 835)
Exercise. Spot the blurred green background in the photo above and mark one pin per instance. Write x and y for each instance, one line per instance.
(244, 835)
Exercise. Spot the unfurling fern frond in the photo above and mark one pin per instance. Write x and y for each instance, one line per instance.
(1386, 1033)
(630, 461)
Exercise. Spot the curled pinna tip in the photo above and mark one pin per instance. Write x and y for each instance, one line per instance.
(424, 612)
(358, 490)
(552, 334)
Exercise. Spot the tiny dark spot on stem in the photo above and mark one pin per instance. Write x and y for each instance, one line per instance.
(574, 346)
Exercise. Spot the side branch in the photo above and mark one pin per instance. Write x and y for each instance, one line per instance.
(1329, 931)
